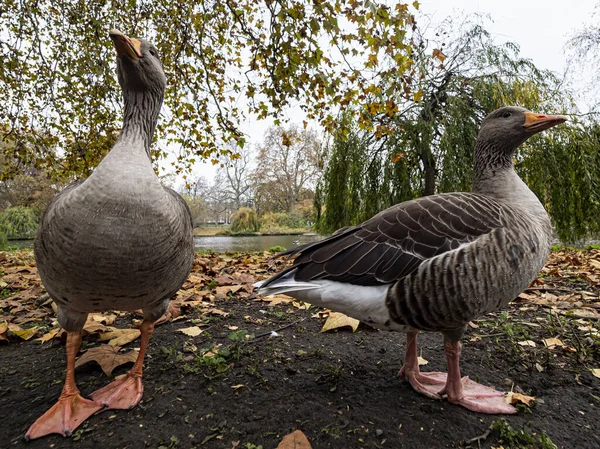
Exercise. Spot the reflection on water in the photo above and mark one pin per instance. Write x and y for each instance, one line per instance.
(221, 244)
(252, 243)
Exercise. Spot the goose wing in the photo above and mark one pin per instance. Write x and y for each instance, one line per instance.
(396, 241)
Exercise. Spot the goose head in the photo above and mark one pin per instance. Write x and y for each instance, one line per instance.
(502, 131)
(508, 127)
(138, 65)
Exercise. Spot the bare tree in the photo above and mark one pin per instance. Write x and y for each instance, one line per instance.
(288, 164)
(236, 173)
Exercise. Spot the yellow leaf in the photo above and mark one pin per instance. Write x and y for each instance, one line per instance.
(527, 343)
(518, 398)
(295, 440)
(596, 372)
(50, 335)
(275, 299)
(107, 356)
(120, 337)
(422, 361)
(417, 96)
(3, 331)
(336, 320)
(193, 331)
(415, 5)
(24, 334)
(551, 343)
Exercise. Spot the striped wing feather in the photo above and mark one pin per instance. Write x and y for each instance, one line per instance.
(396, 241)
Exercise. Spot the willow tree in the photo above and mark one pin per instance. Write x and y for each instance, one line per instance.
(430, 142)
(226, 61)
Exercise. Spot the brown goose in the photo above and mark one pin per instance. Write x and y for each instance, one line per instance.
(118, 240)
(437, 262)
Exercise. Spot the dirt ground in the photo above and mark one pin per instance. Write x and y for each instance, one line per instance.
(236, 385)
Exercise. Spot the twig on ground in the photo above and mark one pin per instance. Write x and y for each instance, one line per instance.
(266, 334)
(481, 437)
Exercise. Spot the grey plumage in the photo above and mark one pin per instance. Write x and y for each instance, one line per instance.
(437, 262)
(447, 258)
(119, 239)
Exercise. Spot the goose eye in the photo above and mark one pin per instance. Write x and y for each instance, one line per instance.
(153, 53)
(506, 115)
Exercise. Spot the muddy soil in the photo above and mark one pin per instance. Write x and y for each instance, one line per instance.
(340, 388)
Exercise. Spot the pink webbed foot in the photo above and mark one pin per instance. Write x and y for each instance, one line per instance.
(63, 417)
(126, 392)
(468, 393)
(478, 398)
(428, 384)
(123, 393)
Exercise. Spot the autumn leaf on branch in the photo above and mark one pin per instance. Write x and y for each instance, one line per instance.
(225, 63)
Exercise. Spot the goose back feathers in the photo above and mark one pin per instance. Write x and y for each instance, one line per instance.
(443, 259)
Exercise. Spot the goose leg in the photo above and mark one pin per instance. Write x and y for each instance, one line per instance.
(429, 384)
(71, 409)
(470, 394)
(126, 392)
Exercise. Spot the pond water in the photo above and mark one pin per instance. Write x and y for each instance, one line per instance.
(223, 243)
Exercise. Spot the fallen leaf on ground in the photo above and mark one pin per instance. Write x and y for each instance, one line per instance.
(238, 386)
(224, 290)
(421, 361)
(3, 331)
(295, 440)
(553, 342)
(213, 352)
(273, 300)
(518, 398)
(108, 357)
(104, 318)
(192, 331)
(596, 372)
(53, 333)
(336, 320)
(120, 337)
(24, 334)
(214, 311)
(527, 343)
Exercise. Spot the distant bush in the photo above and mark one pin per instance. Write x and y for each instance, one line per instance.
(276, 249)
(3, 241)
(18, 223)
(282, 222)
(245, 220)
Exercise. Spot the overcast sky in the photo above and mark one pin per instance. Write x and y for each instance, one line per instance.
(541, 28)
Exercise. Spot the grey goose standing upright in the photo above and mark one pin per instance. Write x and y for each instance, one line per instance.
(118, 240)
(437, 262)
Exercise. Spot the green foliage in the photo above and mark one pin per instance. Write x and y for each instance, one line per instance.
(3, 242)
(435, 131)
(512, 438)
(276, 249)
(245, 220)
(18, 223)
(60, 90)
(282, 223)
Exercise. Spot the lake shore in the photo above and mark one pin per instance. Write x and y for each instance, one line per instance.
(210, 231)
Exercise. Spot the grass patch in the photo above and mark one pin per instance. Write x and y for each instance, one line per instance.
(512, 438)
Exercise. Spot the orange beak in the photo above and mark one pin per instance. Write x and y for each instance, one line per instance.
(125, 45)
(539, 122)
